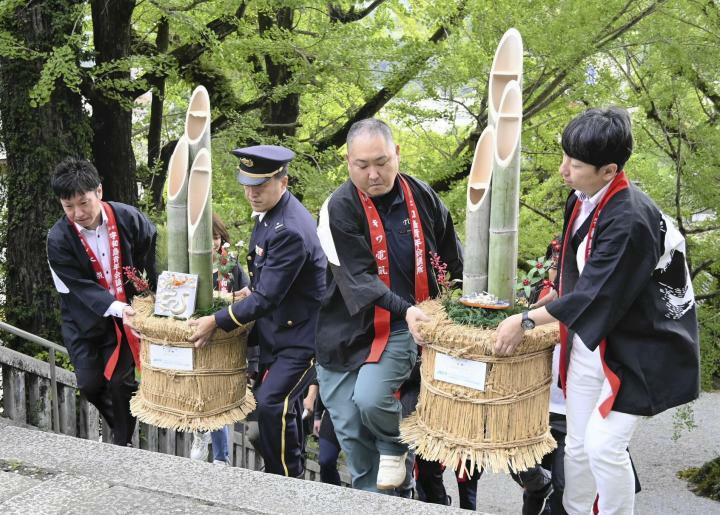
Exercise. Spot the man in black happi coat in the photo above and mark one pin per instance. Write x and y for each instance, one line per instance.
(87, 250)
(626, 308)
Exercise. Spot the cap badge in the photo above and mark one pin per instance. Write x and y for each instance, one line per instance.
(247, 162)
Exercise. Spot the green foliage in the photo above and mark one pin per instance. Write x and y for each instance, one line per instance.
(709, 321)
(705, 480)
(61, 360)
(60, 64)
(477, 317)
(537, 272)
(683, 420)
(218, 303)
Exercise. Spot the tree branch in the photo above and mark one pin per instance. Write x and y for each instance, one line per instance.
(707, 296)
(538, 212)
(701, 230)
(337, 14)
(702, 266)
(407, 72)
(220, 27)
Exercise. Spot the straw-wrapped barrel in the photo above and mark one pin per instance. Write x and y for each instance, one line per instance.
(207, 397)
(501, 428)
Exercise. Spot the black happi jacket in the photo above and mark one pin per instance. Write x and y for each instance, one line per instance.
(83, 305)
(345, 328)
(635, 291)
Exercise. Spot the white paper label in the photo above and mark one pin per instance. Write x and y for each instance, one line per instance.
(463, 372)
(174, 358)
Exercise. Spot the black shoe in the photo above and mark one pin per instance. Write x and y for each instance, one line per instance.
(534, 502)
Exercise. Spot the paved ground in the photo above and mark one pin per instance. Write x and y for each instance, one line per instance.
(657, 457)
(55, 474)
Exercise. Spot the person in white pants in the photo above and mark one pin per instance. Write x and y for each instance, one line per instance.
(625, 303)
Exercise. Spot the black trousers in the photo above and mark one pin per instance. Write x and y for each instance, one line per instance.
(279, 412)
(111, 398)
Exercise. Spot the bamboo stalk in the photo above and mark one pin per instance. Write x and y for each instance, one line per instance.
(197, 122)
(507, 65)
(199, 221)
(177, 233)
(505, 196)
(477, 215)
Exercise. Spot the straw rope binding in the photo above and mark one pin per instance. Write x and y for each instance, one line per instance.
(211, 395)
(503, 428)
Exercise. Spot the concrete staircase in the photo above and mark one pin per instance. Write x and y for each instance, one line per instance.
(49, 473)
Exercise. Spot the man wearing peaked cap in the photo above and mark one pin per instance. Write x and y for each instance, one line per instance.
(261, 162)
(287, 281)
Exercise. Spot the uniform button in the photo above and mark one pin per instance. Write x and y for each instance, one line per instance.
(253, 288)
(289, 322)
(249, 258)
(250, 274)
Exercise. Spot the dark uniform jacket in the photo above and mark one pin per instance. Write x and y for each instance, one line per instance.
(82, 308)
(287, 277)
(635, 291)
(345, 329)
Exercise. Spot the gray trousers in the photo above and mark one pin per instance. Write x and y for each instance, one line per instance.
(364, 410)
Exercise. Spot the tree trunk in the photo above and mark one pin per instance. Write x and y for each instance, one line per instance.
(280, 116)
(159, 170)
(112, 120)
(35, 140)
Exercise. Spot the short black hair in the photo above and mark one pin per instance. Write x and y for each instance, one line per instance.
(599, 137)
(282, 173)
(74, 177)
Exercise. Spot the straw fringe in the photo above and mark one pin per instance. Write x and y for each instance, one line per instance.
(208, 397)
(503, 428)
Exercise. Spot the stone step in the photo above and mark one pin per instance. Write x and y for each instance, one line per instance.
(60, 474)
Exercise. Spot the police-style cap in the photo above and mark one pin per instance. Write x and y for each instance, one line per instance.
(260, 162)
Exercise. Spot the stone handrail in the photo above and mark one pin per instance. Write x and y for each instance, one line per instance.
(26, 399)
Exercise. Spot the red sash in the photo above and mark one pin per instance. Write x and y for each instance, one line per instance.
(116, 268)
(378, 242)
(619, 183)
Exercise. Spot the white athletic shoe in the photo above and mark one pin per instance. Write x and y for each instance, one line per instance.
(221, 462)
(199, 449)
(391, 472)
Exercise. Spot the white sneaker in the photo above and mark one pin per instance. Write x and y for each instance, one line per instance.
(391, 472)
(221, 462)
(199, 449)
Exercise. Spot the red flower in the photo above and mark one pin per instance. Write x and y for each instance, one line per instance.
(539, 265)
(139, 281)
(526, 282)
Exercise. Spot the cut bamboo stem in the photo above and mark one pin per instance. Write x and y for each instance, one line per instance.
(507, 66)
(197, 122)
(477, 215)
(502, 261)
(177, 208)
(199, 223)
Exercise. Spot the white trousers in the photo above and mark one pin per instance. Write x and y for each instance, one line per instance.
(596, 457)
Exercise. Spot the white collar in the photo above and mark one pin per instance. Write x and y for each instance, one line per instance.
(595, 199)
(103, 221)
(259, 215)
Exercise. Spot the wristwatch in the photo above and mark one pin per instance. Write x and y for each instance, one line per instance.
(527, 322)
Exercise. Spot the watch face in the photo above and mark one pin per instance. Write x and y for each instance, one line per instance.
(527, 324)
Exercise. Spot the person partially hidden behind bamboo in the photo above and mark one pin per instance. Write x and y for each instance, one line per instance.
(378, 230)
(287, 280)
(629, 334)
(87, 250)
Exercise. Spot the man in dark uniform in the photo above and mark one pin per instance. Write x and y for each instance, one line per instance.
(87, 250)
(287, 281)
